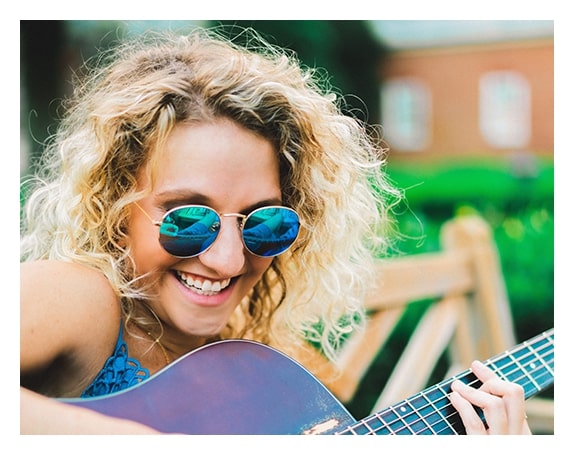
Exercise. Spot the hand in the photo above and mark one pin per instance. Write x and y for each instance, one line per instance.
(501, 401)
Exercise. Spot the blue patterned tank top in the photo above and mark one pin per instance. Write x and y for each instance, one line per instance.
(119, 372)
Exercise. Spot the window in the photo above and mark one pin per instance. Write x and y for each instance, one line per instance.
(504, 103)
(406, 108)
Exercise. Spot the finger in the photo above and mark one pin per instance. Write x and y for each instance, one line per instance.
(482, 372)
(492, 406)
(512, 396)
(472, 422)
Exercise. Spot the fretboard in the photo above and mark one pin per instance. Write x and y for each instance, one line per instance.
(530, 364)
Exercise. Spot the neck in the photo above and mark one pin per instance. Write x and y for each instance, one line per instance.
(165, 339)
(172, 344)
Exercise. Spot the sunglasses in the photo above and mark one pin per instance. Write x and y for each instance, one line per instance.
(190, 230)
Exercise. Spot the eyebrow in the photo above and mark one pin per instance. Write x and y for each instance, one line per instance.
(181, 197)
(172, 198)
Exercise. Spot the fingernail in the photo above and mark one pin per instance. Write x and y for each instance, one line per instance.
(456, 384)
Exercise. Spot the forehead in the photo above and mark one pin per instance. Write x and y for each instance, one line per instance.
(220, 160)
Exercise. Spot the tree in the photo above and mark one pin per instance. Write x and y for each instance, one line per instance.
(346, 50)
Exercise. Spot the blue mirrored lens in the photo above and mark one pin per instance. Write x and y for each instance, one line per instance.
(270, 231)
(188, 231)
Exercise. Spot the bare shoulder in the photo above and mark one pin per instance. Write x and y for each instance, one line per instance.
(66, 311)
(64, 286)
(67, 275)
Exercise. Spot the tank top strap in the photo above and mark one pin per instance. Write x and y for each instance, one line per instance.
(118, 373)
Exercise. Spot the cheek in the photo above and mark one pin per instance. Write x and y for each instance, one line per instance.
(258, 267)
(147, 253)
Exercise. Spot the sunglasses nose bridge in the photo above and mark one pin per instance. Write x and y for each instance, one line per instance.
(241, 217)
(226, 252)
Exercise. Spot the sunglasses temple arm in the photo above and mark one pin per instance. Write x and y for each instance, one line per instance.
(157, 223)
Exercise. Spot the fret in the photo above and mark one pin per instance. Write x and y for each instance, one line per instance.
(545, 353)
(504, 365)
(530, 364)
(530, 381)
(362, 429)
(526, 365)
(535, 370)
(439, 424)
(419, 425)
(378, 426)
(424, 410)
(517, 374)
(409, 420)
(394, 422)
(541, 367)
(441, 419)
(543, 350)
(494, 366)
(381, 423)
(545, 372)
(359, 429)
(437, 397)
(543, 378)
(404, 418)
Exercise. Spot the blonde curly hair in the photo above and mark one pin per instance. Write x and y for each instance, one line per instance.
(331, 173)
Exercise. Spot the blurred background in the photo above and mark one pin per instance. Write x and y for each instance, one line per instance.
(466, 108)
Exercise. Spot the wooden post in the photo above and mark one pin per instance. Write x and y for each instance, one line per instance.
(493, 331)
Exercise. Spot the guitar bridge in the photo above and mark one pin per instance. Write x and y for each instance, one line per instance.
(322, 427)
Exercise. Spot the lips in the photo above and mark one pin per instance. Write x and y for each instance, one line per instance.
(202, 286)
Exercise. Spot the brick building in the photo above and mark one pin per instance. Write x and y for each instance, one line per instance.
(494, 97)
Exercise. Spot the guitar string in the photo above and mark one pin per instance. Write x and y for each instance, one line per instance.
(535, 376)
(467, 373)
(528, 344)
(539, 373)
(446, 383)
(408, 425)
(542, 366)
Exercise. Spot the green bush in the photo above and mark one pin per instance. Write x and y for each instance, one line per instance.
(518, 206)
(519, 210)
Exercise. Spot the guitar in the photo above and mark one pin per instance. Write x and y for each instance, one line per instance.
(243, 387)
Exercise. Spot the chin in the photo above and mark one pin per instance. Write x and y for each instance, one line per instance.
(208, 330)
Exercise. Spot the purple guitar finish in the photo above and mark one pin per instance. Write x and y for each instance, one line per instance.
(229, 387)
(242, 387)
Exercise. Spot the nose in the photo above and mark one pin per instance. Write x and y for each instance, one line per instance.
(227, 254)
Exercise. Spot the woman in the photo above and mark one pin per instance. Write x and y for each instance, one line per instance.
(199, 191)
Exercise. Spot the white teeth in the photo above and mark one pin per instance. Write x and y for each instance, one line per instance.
(204, 287)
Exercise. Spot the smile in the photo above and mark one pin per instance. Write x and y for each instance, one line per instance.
(203, 287)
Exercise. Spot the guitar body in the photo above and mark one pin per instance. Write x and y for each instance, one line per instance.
(229, 387)
(243, 387)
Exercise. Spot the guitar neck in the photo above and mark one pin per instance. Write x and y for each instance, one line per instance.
(530, 364)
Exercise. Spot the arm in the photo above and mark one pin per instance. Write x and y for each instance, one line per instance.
(69, 318)
(501, 401)
(42, 415)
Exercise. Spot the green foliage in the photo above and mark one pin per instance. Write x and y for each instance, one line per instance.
(521, 213)
(519, 209)
(507, 183)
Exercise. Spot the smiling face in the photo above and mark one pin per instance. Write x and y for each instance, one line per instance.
(223, 166)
